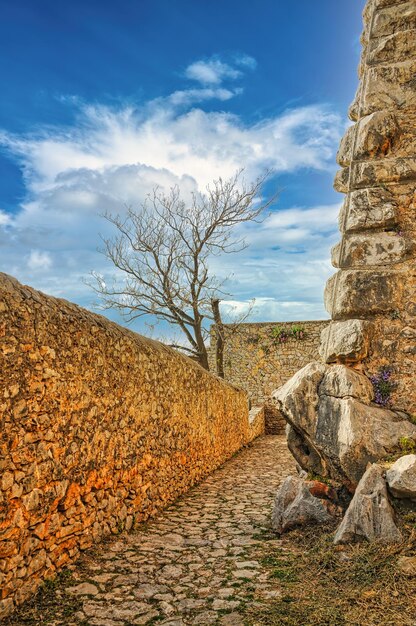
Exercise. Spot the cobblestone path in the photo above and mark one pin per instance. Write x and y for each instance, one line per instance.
(193, 564)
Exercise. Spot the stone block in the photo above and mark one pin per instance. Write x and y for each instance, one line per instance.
(356, 294)
(371, 249)
(376, 133)
(341, 180)
(392, 49)
(374, 173)
(345, 151)
(394, 18)
(389, 87)
(368, 208)
(345, 342)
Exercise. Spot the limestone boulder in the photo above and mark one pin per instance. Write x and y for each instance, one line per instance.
(334, 431)
(401, 477)
(345, 341)
(295, 504)
(370, 516)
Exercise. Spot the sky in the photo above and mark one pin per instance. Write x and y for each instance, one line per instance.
(101, 101)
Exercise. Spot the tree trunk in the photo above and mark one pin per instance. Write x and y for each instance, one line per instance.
(219, 347)
(202, 351)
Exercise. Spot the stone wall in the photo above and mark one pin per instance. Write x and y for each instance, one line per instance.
(372, 297)
(258, 361)
(100, 428)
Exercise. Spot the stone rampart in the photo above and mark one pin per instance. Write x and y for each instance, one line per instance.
(372, 297)
(100, 428)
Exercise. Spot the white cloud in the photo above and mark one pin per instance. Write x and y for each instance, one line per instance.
(39, 260)
(112, 157)
(211, 71)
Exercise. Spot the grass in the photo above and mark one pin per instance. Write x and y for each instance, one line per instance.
(323, 585)
(45, 606)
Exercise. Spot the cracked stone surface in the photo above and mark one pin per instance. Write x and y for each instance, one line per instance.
(193, 564)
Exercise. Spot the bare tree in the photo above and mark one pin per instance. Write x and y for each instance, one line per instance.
(162, 252)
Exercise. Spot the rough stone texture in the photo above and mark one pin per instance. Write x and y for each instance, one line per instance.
(334, 431)
(376, 255)
(401, 477)
(192, 563)
(100, 428)
(296, 506)
(258, 363)
(345, 342)
(370, 516)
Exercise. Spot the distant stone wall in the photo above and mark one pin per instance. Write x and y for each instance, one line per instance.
(100, 428)
(259, 361)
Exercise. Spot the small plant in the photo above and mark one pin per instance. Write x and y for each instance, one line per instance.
(383, 386)
(298, 331)
(407, 445)
(395, 315)
(279, 334)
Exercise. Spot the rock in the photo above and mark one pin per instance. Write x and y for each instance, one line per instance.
(296, 506)
(232, 619)
(407, 565)
(370, 516)
(359, 293)
(333, 431)
(83, 589)
(345, 342)
(401, 477)
(376, 134)
(342, 382)
(361, 250)
(368, 208)
(304, 453)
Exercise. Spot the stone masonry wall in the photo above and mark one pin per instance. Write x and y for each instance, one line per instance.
(100, 428)
(372, 297)
(259, 362)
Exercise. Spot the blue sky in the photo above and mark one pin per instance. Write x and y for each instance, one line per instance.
(103, 100)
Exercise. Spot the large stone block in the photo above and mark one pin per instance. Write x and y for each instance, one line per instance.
(376, 133)
(345, 151)
(373, 173)
(341, 180)
(369, 516)
(372, 249)
(326, 407)
(398, 17)
(389, 87)
(373, 137)
(345, 342)
(401, 45)
(355, 293)
(368, 208)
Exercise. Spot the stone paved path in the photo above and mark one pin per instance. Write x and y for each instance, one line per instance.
(195, 563)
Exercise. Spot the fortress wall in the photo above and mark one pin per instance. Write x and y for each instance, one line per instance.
(372, 297)
(258, 361)
(100, 428)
